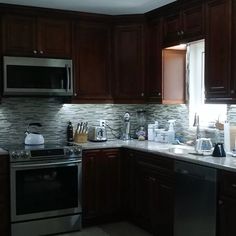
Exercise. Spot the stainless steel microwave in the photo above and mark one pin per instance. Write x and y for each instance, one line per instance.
(37, 76)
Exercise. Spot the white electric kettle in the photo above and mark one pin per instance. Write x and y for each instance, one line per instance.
(33, 138)
(203, 145)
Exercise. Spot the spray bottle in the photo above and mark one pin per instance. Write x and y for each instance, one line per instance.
(171, 132)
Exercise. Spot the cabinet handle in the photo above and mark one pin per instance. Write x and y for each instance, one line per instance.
(142, 94)
(178, 33)
(35, 52)
(181, 32)
(75, 94)
(217, 87)
(220, 202)
(41, 52)
(152, 179)
(232, 91)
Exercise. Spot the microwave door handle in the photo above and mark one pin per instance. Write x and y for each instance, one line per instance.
(67, 78)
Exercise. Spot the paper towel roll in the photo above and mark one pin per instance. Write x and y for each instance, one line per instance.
(227, 136)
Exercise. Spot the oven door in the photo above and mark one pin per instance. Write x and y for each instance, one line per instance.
(45, 189)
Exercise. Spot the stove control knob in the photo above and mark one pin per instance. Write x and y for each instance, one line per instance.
(15, 155)
(24, 154)
(69, 151)
(77, 151)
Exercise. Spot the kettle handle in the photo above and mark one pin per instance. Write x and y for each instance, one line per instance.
(32, 124)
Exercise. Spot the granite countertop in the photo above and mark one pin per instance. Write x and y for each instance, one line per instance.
(226, 163)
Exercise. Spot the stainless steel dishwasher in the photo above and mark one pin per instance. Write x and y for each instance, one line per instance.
(195, 200)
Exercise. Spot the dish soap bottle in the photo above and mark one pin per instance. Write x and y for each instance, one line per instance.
(171, 132)
(69, 133)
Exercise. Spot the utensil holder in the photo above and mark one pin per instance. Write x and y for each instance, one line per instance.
(81, 138)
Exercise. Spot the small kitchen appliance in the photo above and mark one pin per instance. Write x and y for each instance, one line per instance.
(33, 138)
(97, 134)
(203, 146)
(141, 120)
(219, 150)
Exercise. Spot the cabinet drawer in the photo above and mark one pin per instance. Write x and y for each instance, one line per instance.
(227, 182)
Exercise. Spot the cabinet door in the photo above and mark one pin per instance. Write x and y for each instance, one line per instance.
(4, 197)
(192, 23)
(112, 185)
(227, 214)
(154, 88)
(127, 183)
(19, 35)
(101, 185)
(93, 61)
(172, 29)
(174, 70)
(154, 198)
(90, 184)
(54, 37)
(218, 50)
(129, 63)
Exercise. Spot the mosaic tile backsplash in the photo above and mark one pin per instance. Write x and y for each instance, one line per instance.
(16, 113)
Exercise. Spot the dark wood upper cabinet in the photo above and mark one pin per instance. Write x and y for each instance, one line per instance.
(19, 35)
(129, 71)
(183, 24)
(54, 37)
(93, 61)
(166, 70)
(154, 62)
(218, 51)
(36, 36)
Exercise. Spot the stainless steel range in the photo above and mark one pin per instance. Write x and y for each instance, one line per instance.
(45, 190)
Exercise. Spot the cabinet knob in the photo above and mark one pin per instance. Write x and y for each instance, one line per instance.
(75, 94)
(35, 52)
(220, 202)
(178, 33)
(158, 93)
(181, 32)
(232, 91)
(41, 52)
(142, 94)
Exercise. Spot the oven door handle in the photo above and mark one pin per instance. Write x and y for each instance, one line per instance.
(46, 164)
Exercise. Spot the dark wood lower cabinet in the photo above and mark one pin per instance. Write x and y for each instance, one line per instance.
(227, 215)
(4, 197)
(154, 195)
(227, 204)
(101, 185)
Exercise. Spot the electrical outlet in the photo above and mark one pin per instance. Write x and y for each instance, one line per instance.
(102, 123)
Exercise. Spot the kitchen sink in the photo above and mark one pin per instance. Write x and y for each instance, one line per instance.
(178, 150)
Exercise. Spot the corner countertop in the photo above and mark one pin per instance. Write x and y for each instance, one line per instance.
(225, 163)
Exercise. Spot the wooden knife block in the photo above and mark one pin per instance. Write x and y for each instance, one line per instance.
(81, 138)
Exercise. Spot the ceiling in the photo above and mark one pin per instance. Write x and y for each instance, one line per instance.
(111, 7)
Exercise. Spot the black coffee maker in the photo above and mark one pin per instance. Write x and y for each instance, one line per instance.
(219, 150)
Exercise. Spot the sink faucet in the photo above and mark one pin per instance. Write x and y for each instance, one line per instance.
(196, 124)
